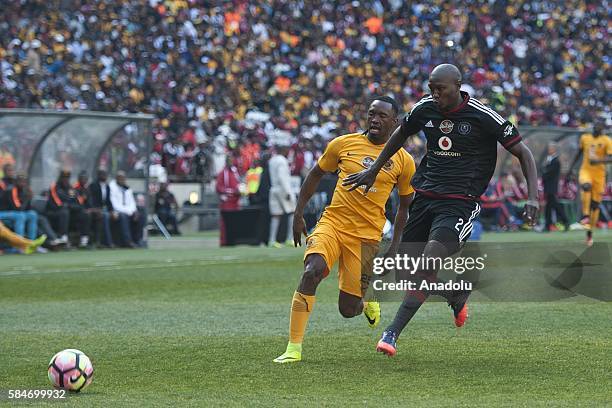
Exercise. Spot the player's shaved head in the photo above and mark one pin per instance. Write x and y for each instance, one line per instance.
(445, 86)
(445, 72)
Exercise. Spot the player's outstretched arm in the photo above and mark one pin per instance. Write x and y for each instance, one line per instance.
(368, 176)
(528, 165)
(401, 217)
(306, 191)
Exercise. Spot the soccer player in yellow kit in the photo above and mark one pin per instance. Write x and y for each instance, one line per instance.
(597, 150)
(350, 229)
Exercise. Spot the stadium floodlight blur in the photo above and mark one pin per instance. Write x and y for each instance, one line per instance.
(44, 141)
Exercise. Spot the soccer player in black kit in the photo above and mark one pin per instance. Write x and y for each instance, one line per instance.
(462, 136)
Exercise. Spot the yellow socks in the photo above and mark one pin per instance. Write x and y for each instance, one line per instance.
(301, 306)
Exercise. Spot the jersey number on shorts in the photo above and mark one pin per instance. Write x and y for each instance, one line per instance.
(459, 224)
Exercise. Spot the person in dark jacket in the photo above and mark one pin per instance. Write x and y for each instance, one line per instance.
(18, 199)
(15, 220)
(550, 178)
(64, 209)
(101, 208)
(166, 207)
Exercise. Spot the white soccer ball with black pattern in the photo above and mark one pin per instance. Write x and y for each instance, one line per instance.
(70, 370)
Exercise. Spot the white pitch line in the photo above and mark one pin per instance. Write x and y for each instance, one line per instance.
(168, 264)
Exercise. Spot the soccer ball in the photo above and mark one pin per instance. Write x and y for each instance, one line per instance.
(70, 370)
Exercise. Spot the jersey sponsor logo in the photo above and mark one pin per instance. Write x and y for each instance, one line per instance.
(446, 126)
(464, 128)
(367, 162)
(429, 124)
(445, 143)
(508, 130)
(448, 154)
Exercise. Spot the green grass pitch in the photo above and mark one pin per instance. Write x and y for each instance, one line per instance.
(192, 326)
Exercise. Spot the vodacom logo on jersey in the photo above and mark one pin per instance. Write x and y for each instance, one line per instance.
(445, 143)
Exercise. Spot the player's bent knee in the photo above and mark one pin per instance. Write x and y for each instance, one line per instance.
(586, 187)
(348, 310)
(349, 305)
(314, 271)
(594, 205)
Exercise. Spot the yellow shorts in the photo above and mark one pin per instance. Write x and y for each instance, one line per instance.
(355, 257)
(597, 182)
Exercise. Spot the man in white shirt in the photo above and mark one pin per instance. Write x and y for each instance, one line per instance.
(282, 198)
(124, 204)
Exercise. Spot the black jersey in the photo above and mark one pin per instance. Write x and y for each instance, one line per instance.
(461, 147)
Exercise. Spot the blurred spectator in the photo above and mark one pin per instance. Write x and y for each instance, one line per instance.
(262, 198)
(15, 219)
(131, 221)
(551, 173)
(233, 69)
(101, 209)
(253, 181)
(514, 195)
(6, 158)
(8, 179)
(282, 198)
(64, 210)
(23, 202)
(166, 208)
(81, 187)
(493, 206)
(227, 187)
(16, 201)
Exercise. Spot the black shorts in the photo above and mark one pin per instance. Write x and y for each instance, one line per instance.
(445, 220)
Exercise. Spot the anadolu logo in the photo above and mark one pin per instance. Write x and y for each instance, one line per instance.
(445, 143)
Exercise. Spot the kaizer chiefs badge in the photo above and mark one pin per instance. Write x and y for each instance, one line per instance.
(367, 162)
(388, 165)
(310, 242)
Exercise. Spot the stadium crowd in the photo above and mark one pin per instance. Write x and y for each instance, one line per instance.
(240, 70)
(236, 77)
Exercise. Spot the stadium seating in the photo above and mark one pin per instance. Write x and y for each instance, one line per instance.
(209, 69)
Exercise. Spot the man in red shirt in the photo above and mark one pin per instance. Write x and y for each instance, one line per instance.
(227, 184)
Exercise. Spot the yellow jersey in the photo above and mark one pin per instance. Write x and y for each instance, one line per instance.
(353, 212)
(594, 148)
